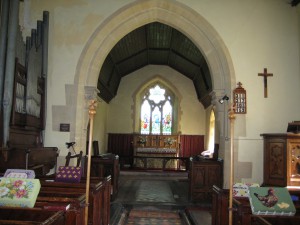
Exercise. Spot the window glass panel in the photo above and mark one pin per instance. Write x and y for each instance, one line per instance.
(211, 142)
(156, 118)
(157, 94)
(145, 117)
(156, 111)
(167, 118)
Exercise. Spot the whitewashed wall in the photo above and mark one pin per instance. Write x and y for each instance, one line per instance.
(257, 34)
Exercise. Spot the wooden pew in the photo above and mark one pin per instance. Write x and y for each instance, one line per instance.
(275, 220)
(220, 198)
(33, 216)
(106, 165)
(73, 216)
(99, 198)
(56, 193)
(41, 160)
(242, 213)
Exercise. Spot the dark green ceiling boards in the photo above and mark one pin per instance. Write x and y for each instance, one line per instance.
(155, 44)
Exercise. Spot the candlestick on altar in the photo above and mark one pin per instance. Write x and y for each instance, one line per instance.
(92, 112)
(231, 117)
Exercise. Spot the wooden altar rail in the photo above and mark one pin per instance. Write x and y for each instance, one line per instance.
(144, 159)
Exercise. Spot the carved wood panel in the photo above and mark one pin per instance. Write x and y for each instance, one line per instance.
(294, 163)
(275, 162)
(276, 166)
(203, 175)
(199, 177)
(281, 159)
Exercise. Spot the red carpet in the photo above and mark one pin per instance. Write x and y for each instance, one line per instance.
(142, 217)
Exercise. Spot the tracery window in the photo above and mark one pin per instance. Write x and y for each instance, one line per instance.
(157, 111)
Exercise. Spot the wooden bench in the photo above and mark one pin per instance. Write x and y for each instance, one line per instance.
(74, 194)
(33, 216)
(242, 213)
(99, 197)
(41, 160)
(103, 166)
(73, 216)
(39, 215)
(275, 220)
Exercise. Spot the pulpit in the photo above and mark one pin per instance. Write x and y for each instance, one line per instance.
(281, 159)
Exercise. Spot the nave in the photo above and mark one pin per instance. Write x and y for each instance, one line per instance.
(156, 198)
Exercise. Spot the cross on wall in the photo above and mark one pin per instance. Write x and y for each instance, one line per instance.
(265, 74)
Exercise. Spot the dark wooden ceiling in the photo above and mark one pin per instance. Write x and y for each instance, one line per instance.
(155, 44)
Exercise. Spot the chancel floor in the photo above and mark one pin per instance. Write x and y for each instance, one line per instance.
(159, 198)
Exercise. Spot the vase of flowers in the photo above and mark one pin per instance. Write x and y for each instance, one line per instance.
(169, 141)
(142, 141)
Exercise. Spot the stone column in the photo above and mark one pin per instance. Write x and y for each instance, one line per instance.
(90, 93)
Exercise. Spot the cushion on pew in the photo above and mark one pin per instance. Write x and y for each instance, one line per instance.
(70, 174)
(16, 192)
(20, 173)
(242, 189)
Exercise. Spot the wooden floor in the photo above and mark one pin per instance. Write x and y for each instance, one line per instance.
(157, 192)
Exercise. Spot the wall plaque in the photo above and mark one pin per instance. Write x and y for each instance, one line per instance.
(64, 127)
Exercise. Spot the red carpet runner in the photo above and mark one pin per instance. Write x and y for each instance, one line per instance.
(141, 217)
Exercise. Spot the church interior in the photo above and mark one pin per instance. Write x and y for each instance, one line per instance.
(150, 112)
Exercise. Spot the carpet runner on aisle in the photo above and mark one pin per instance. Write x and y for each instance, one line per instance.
(148, 217)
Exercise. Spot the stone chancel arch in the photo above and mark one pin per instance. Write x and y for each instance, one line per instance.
(137, 14)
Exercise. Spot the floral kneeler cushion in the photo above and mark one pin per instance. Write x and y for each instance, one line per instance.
(16, 192)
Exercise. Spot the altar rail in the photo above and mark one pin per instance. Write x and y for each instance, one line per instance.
(144, 159)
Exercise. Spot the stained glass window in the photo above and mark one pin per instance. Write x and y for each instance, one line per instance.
(167, 118)
(145, 117)
(156, 111)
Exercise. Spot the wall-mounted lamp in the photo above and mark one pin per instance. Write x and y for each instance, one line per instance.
(224, 98)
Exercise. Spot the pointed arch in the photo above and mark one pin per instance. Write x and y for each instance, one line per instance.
(137, 14)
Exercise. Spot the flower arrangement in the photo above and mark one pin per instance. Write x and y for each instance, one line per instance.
(169, 141)
(15, 189)
(142, 140)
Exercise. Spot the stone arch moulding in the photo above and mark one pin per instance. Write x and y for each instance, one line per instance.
(154, 80)
(139, 13)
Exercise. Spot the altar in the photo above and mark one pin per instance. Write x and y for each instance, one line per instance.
(156, 151)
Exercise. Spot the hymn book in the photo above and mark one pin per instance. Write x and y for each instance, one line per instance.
(57, 206)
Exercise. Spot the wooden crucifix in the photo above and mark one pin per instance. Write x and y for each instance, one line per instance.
(265, 74)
